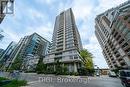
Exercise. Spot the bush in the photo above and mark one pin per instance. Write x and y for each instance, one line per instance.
(87, 72)
(76, 73)
(126, 17)
(14, 83)
(41, 67)
(1, 78)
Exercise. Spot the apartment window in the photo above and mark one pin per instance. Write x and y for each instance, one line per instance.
(120, 59)
(69, 36)
(121, 27)
(115, 52)
(70, 51)
(126, 30)
(70, 41)
(69, 45)
(75, 57)
(59, 42)
(123, 64)
(71, 57)
(119, 24)
(126, 44)
(127, 50)
(113, 31)
(106, 20)
(128, 36)
(117, 55)
(114, 62)
(111, 66)
(115, 34)
(112, 13)
(118, 37)
(121, 52)
(121, 41)
(113, 48)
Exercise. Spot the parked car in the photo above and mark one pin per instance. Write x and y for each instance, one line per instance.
(97, 74)
(112, 74)
(125, 77)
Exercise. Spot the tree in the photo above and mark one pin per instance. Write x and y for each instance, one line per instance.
(58, 68)
(87, 60)
(41, 67)
(64, 70)
(16, 65)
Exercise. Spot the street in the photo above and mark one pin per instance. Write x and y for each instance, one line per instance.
(40, 80)
(73, 81)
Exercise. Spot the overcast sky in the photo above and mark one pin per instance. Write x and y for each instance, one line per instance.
(39, 16)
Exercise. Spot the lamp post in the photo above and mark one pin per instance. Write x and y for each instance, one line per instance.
(97, 70)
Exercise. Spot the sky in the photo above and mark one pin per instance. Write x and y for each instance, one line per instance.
(39, 16)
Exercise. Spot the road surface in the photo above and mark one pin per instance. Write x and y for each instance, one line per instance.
(73, 81)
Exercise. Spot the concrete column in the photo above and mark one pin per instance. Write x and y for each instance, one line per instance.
(63, 64)
(75, 67)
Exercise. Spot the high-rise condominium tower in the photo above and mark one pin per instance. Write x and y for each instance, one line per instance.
(29, 49)
(112, 30)
(66, 42)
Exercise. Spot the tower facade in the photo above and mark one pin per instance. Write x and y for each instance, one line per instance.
(66, 42)
(6, 54)
(29, 49)
(112, 29)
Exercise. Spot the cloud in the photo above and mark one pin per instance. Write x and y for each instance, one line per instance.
(37, 17)
(49, 2)
(44, 30)
(16, 26)
(86, 11)
(9, 35)
(35, 14)
(81, 10)
(107, 4)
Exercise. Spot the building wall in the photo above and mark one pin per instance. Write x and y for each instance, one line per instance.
(114, 43)
(65, 41)
(29, 45)
(1, 52)
(6, 54)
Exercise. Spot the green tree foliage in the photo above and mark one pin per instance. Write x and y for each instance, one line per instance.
(16, 65)
(87, 59)
(50, 70)
(41, 67)
(58, 68)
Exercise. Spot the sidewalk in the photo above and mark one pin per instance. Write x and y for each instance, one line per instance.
(37, 84)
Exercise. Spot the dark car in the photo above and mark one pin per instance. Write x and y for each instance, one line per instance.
(125, 77)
